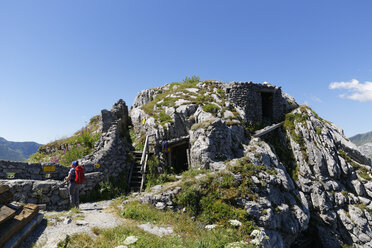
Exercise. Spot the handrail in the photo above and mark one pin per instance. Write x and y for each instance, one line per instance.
(144, 150)
(144, 158)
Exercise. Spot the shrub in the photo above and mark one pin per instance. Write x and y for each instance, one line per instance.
(211, 108)
(153, 177)
(106, 190)
(190, 198)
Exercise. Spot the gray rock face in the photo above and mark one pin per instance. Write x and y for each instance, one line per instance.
(366, 149)
(335, 179)
(281, 210)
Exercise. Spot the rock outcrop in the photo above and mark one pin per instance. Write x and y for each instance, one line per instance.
(312, 187)
(210, 114)
(366, 149)
(335, 178)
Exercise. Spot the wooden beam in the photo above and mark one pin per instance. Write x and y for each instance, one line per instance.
(6, 213)
(17, 223)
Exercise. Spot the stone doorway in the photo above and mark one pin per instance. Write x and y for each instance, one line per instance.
(267, 106)
(178, 156)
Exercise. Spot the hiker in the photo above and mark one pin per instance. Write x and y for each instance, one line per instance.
(74, 177)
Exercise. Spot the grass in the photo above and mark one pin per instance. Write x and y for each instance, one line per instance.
(282, 148)
(187, 232)
(106, 190)
(203, 125)
(180, 90)
(153, 177)
(72, 148)
(212, 199)
(211, 108)
(362, 171)
(291, 119)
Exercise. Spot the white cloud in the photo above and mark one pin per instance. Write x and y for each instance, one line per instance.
(356, 91)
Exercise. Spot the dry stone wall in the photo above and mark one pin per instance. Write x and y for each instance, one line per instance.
(34, 183)
(248, 96)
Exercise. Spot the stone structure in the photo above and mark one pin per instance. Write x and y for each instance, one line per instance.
(260, 102)
(30, 183)
(211, 136)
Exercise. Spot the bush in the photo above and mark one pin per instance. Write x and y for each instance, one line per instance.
(190, 198)
(110, 189)
(211, 108)
(153, 177)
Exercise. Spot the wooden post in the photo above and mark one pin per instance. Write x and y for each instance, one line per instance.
(188, 158)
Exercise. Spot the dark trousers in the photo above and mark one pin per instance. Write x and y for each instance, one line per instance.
(73, 189)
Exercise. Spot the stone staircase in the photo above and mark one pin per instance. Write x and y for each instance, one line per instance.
(136, 173)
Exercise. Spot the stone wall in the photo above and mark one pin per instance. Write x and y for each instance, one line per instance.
(30, 184)
(248, 96)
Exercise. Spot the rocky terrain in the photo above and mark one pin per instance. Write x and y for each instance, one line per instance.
(366, 149)
(311, 187)
(364, 143)
(300, 183)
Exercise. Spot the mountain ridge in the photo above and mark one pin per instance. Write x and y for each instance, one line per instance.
(361, 139)
(17, 151)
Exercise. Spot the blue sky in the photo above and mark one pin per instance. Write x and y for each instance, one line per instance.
(61, 62)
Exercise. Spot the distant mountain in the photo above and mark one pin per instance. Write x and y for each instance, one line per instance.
(364, 143)
(361, 139)
(16, 151)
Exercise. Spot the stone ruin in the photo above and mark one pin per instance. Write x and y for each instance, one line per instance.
(198, 138)
(195, 138)
(42, 183)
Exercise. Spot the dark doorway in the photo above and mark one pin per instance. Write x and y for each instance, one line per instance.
(267, 106)
(178, 155)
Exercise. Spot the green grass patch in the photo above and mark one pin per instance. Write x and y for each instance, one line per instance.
(110, 189)
(362, 171)
(278, 140)
(290, 125)
(213, 198)
(73, 148)
(211, 108)
(153, 177)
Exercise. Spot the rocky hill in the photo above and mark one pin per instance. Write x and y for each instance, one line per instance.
(244, 159)
(302, 185)
(16, 151)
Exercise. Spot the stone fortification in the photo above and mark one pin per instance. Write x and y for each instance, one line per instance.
(251, 97)
(35, 183)
(213, 115)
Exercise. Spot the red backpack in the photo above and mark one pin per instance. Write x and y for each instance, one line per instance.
(79, 174)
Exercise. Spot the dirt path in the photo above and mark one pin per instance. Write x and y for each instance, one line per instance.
(57, 225)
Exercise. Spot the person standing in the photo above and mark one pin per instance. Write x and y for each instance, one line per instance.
(73, 187)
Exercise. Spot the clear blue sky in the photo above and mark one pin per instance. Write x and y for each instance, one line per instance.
(61, 62)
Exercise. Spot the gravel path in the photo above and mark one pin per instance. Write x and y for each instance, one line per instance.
(60, 224)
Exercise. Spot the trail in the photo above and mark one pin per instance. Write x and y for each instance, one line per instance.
(57, 225)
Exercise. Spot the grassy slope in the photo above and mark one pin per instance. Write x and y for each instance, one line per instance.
(71, 148)
(210, 198)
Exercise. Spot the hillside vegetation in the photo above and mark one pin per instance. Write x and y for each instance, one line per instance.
(66, 150)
